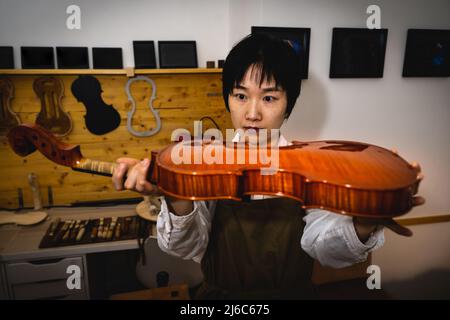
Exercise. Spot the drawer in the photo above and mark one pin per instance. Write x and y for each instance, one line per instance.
(41, 270)
(56, 289)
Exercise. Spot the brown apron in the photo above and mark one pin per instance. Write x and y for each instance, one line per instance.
(254, 252)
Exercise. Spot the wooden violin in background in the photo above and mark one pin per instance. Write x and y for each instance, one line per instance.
(51, 116)
(8, 119)
(350, 178)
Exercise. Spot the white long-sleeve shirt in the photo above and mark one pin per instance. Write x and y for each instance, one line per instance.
(327, 237)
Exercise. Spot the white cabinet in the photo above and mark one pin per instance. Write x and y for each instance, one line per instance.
(47, 279)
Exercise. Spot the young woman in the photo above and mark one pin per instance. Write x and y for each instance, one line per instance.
(262, 248)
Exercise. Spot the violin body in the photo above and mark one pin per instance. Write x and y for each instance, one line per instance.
(100, 118)
(341, 176)
(50, 91)
(350, 178)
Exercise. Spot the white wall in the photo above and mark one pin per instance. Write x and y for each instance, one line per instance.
(410, 114)
(116, 23)
(416, 267)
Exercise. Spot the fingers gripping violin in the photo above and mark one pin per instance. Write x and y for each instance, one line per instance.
(350, 178)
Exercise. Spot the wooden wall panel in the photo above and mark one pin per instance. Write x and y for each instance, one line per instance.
(180, 100)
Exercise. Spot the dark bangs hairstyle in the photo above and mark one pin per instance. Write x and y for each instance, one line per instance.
(274, 59)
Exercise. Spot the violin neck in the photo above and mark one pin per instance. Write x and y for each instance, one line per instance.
(102, 168)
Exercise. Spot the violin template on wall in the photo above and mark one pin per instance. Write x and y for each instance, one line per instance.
(8, 119)
(155, 113)
(100, 117)
(50, 91)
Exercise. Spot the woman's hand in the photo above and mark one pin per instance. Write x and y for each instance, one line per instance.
(136, 176)
(136, 180)
(365, 226)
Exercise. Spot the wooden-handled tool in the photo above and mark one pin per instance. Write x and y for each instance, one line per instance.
(34, 185)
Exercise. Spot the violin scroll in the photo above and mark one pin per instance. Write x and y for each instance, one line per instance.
(24, 139)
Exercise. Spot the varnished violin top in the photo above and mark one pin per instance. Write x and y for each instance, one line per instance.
(346, 163)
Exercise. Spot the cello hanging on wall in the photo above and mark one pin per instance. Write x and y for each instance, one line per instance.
(52, 117)
(350, 178)
(100, 117)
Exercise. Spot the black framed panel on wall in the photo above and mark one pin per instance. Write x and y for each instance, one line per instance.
(144, 54)
(72, 57)
(427, 53)
(107, 58)
(177, 54)
(6, 57)
(37, 57)
(358, 53)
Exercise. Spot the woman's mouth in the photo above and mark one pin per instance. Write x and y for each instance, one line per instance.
(252, 128)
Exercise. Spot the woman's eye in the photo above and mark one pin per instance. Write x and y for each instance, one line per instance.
(269, 99)
(239, 96)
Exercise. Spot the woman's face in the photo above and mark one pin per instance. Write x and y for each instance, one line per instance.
(255, 106)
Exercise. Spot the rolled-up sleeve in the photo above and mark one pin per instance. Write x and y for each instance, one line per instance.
(331, 239)
(186, 236)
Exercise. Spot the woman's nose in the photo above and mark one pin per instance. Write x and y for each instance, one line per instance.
(253, 111)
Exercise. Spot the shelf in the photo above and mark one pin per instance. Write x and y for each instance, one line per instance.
(107, 71)
(172, 71)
